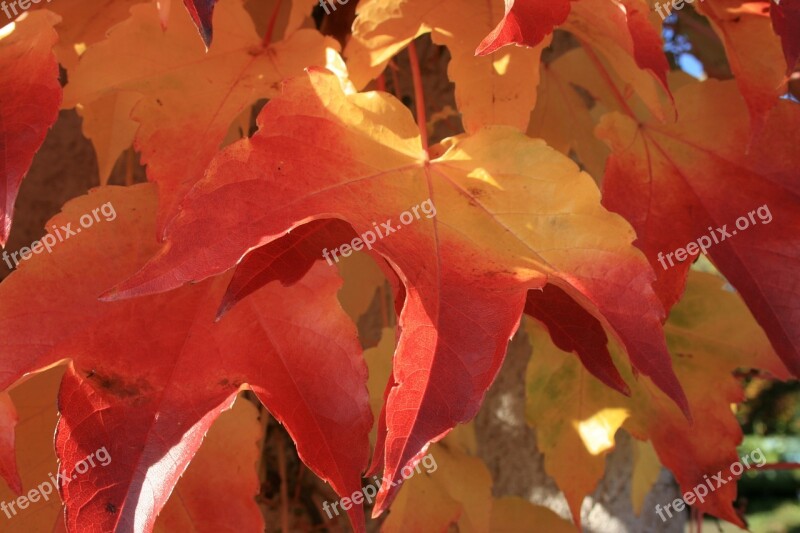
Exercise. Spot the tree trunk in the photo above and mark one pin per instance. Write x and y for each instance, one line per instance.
(508, 446)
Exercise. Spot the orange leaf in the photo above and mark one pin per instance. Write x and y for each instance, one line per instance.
(575, 416)
(466, 266)
(753, 50)
(217, 492)
(666, 179)
(161, 368)
(710, 334)
(525, 22)
(84, 23)
(786, 23)
(35, 400)
(563, 118)
(8, 424)
(515, 515)
(188, 97)
(30, 96)
(489, 90)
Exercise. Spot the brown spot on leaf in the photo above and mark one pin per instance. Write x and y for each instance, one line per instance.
(118, 386)
(475, 192)
(226, 383)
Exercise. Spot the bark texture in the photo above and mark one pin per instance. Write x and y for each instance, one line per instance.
(508, 446)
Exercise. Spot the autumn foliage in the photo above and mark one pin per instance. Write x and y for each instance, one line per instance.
(577, 163)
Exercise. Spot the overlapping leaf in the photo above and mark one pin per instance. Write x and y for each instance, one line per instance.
(667, 181)
(217, 491)
(466, 271)
(627, 43)
(515, 515)
(107, 123)
(8, 424)
(786, 23)
(625, 33)
(188, 97)
(497, 90)
(753, 50)
(84, 23)
(573, 329)
(710, 334)
(454, 489)
(576, 417)
(149, 376)
(30, 95)
(287, 259)
(516, 225)
(564, 117)
(201, 12)
(525, 22)
(34, 400)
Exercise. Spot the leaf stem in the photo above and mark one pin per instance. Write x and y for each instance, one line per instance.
(272, 21)
(284, 488)
(419, 95)
(395, 80)
(607, 78)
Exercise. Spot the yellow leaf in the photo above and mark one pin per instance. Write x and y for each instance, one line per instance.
(562, 118)
(510, 215)
(575, 416)
(753, 51)
(362, 278)
(35, 401)
(218, 490)
(646, 469)
(292, 15)
(710, 334)
(497, 90)
(379, 363)
(602, 28)
(457, 491)
(107, 123)
(515, 515)
(189, 97)
(83, 23)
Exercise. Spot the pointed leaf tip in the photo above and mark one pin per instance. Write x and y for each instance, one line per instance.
(201, 12)
(526, 23)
